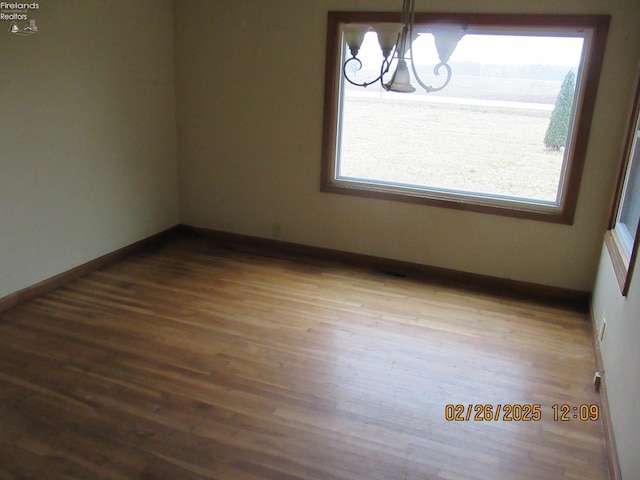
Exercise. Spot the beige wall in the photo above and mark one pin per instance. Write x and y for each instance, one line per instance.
(250, 95)
(87, 135)
(620, 349)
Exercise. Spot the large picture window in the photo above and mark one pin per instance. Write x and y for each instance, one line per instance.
(508, 134)
(622, 239)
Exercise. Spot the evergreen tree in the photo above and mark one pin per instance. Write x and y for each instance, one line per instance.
(556, 135)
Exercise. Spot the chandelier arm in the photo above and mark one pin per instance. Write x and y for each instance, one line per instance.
(346, 76)
(436, 71)
(384, 69)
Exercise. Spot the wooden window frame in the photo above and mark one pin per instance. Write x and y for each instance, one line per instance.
(564, 211)
(624, 262)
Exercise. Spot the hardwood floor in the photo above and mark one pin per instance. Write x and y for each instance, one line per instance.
(199, 362)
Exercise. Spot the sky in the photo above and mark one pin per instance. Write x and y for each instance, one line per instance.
(517, 50)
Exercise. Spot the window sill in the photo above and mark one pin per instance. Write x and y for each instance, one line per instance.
(489, 204)
(619, 259)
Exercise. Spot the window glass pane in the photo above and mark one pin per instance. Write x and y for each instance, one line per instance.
(491, 132)
(630, 208)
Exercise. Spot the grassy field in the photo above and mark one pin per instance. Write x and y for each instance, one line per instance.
(487, 149)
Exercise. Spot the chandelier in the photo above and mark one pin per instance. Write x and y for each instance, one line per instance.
(396, 43)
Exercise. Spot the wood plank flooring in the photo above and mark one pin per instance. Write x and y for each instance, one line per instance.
(195, 361)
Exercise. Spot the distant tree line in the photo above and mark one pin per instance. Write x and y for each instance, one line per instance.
(534, 72)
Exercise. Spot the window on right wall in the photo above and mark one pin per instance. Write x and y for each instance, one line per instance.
(622, 238)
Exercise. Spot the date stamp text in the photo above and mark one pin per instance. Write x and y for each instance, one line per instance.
(518, 412)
